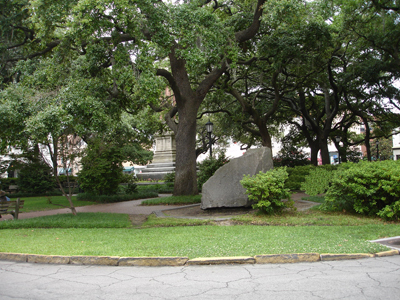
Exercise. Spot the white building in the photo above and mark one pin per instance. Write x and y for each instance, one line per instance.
(396, 146)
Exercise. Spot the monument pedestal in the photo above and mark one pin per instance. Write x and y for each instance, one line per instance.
(163, 159)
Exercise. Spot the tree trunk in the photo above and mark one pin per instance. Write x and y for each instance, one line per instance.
(323, 145)
(314, 152)
(185, 172)
(265, 136)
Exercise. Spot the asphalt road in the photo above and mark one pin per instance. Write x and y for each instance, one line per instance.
(372, 278)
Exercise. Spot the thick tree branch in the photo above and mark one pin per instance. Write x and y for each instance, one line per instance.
(251, 31)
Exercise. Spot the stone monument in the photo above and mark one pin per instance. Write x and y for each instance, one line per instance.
(223, 189)
(163, 160)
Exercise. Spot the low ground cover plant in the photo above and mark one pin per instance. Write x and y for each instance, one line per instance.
(166, 188)
(174, 200)
(267, 190)
(117, 197)
(367, 188)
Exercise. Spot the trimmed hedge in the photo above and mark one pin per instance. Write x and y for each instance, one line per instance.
(116, 198)
(367, 188)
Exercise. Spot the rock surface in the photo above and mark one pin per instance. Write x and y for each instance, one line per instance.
(223, 189)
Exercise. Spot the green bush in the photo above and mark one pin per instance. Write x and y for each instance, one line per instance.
(35, 178)
(102, 169)
(6, 182)
(296, 176)
(208, 167)
(317, 181)
(368, 188)
(116, 198)
(267, 190)
(169, 179)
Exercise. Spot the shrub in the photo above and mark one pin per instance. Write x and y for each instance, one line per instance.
(116, 198)
(102, 169)
(267, 190)
(317, 181)
(208, 167)
(35, 178)
(6, 182)
(169, 179)
(368, 188)
(296, 176)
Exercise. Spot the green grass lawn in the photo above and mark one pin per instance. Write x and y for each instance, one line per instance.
(50, 202)
(81, 220)
(112, 234)
(199, 241)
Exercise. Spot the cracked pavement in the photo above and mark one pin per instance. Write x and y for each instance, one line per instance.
(372, 278)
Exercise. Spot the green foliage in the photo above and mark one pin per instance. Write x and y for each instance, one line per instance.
(158, 188)
(174, 200)
(367, 188)
(131, 185)
(102, 169)
(267, 190)
(116, 198)
(131, 188)
(169, 179)
(317, 181)
(35, 178)
(290, 155)
(208, 167)
(296, 176)
(6, 182)
(63, 178)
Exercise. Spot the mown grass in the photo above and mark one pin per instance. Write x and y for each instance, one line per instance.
(112, 234)
(199, 241)
(173, 200)
(310, 217)
(153, 221)
(81, 220)
(50, 202)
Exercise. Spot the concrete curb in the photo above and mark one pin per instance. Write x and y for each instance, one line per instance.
(185, 261)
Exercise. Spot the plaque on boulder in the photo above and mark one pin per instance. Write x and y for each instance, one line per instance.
(223, 189)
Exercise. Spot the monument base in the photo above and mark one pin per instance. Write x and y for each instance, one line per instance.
(156, 171)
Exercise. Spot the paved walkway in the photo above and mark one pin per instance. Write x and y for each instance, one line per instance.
(371, 279)
(127, 207)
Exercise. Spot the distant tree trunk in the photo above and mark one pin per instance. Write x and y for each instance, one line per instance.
(323, 146)
(314, 152)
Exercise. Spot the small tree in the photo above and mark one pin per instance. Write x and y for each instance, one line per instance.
(102, 169)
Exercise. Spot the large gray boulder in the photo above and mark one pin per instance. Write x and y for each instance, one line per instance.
(223, 189)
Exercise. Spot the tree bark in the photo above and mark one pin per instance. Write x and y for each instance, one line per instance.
(185, 174)
(323, 145)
